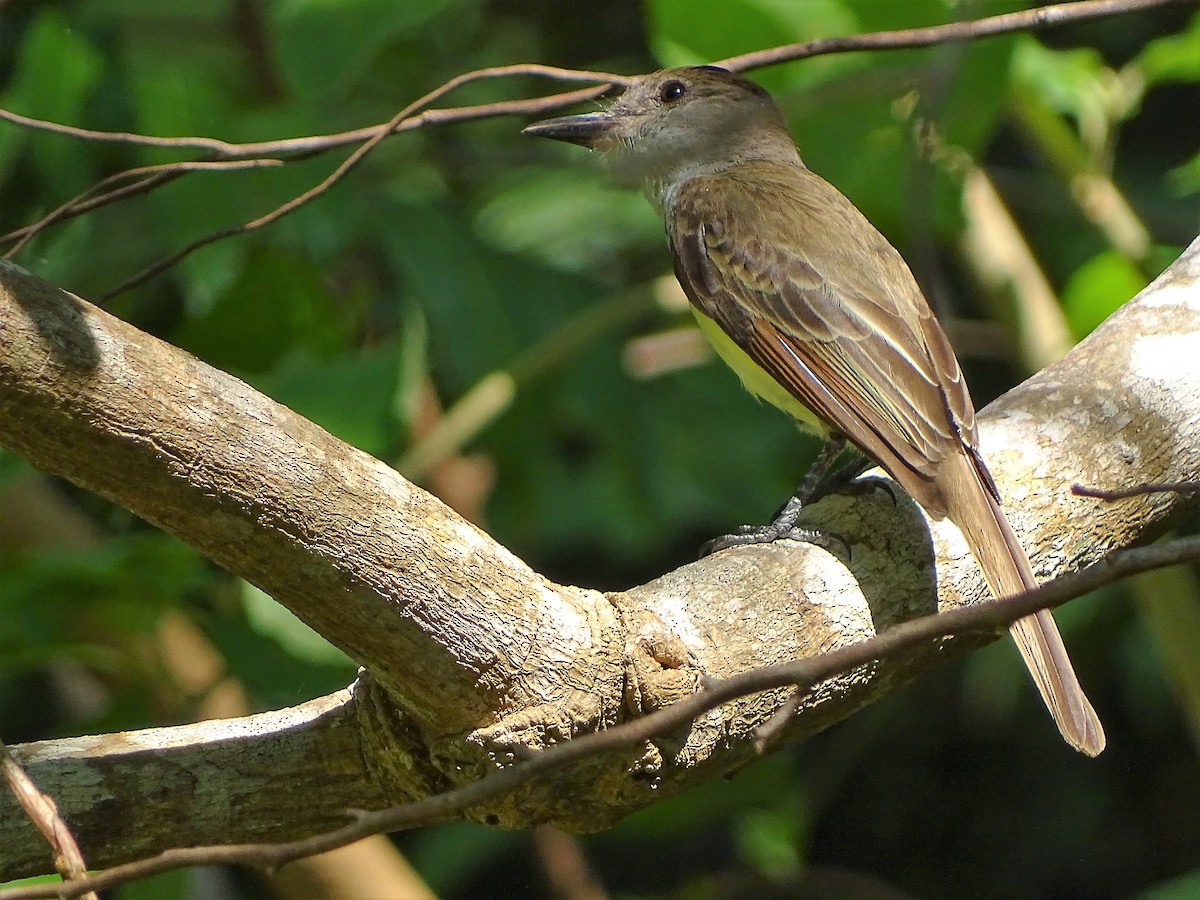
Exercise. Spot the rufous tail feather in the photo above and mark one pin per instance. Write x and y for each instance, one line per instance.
(971, 506)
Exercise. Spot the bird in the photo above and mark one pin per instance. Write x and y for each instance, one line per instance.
(819, 315)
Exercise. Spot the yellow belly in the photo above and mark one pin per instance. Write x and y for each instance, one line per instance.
(756, 379)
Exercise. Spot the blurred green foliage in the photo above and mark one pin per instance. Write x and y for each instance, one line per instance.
(453, 253)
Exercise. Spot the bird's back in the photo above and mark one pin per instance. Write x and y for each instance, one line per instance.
(810, 290)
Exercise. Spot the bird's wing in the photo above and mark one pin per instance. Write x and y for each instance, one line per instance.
(776, 258)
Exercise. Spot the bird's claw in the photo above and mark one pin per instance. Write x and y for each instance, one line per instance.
(768, 534)
(865, 484)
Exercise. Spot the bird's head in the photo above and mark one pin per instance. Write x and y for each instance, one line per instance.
(677, 123)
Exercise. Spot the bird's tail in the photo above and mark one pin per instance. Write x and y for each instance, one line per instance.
(972, 506)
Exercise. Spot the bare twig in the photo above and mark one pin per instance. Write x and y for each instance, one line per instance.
(312, 143)
(150, 178)
(73, 209)
(1040, 17)
(802, 674)
(908, 38)
(407, 120)
(768, 731)
(1137, 490)
(43, 812)
(213, 145)
(293, 148)
(403, 120)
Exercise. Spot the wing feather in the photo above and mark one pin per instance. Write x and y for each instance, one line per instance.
(764, 253)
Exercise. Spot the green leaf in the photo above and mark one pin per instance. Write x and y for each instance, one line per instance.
(177, 883)
(474, 301)
(1072, 82)
(178, 92)
(1174, 58)
(277, 303)
(1185, 887)
(123, 585)
(273, 658)
(570, 219)
(1098, 288)
(771, 840)
(450, 856)
(1168, 610)
(976, 92)
(55, 73)
(679, 36)
(324, 46)
(278, 623)
(351, 395)
(1185, 179)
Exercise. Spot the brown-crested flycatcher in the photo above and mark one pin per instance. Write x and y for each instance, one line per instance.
(818, 314)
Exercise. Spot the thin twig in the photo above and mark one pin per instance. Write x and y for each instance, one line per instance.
(1137, 490)
(213, 145)
(403, 121)
(801, 674)
(308, 146)
(296, 148)
(152, 176)
(229, 150)
(771, 729)
(907, 38)
(143, 186)
(43, 813)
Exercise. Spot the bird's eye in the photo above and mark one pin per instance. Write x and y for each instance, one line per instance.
(671, 91)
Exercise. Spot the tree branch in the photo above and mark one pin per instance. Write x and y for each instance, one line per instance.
(474, 659)
(801, 675)
(910, 38)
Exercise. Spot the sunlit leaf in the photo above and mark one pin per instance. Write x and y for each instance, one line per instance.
(1098, 288)
(269, 618)
(1172, 58)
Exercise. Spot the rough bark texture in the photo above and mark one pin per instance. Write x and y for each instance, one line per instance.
(473, 656)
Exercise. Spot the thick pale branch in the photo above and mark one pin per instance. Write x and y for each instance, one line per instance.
(382, 569)
(472, 656)
(802, 674)
(138, 785)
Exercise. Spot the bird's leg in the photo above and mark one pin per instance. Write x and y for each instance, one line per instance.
(784, 523)
(816, 479)
(848, 480)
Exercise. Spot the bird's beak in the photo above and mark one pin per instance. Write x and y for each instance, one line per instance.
(587, 130)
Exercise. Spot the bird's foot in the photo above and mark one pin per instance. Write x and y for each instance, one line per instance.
(854, 484)
(819, 481)
(767, 534)
(783, 527)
